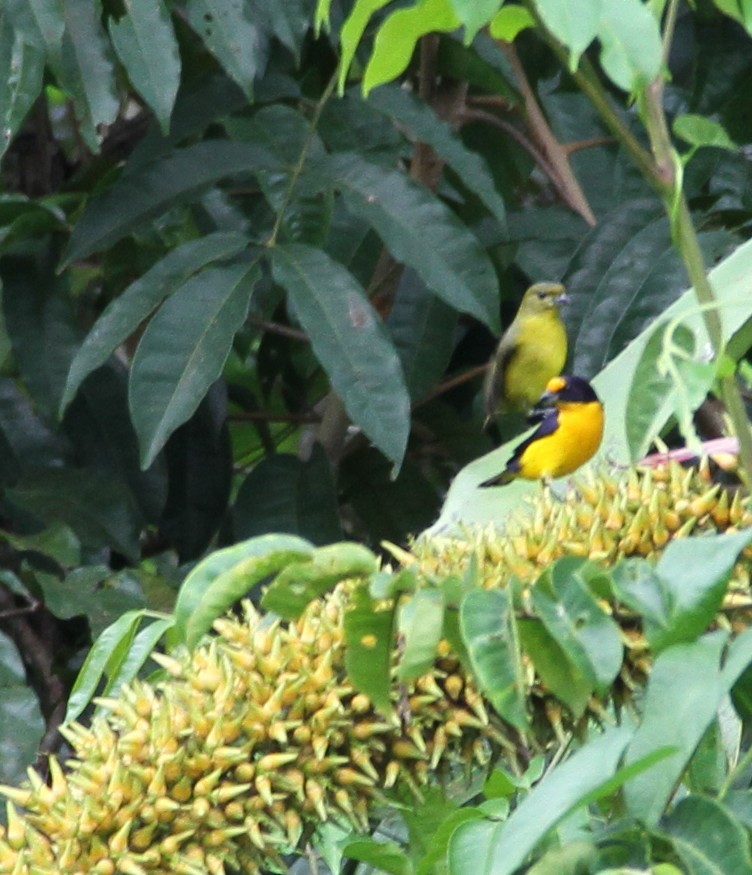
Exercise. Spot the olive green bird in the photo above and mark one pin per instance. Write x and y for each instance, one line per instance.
(531, 351)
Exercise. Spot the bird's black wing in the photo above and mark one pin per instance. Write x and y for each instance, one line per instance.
(548, 425)
(494, 387)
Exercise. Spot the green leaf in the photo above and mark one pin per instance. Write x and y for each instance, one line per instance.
(489, 632)
(369, 635)
(21, 722)
(631, 49)
(160, 185)
(383, 856)
(681, 701)
(573, 22)
(173, 370)
(475, 14)
(288, 21)
(697, 130)
(85, 69)
(395, 40)
(419, 231)
(586, 634)
(125, 314)
(424, 125)
(564, 678)
(285, 494)
(351, 343)
(225, 576)
(145, 42)
(351, 32)
(103, 659)
(140, 649)
(421, 621)
(41, 324)
(301, 582)
(488, 848)
(235, 40)
(97, 508)
(695, 573)
(708, 839)
(509, 22)
(41, 22)
(572, 859)
(21, 75)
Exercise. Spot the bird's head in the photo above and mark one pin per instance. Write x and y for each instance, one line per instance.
(543, 296)
(567, 389)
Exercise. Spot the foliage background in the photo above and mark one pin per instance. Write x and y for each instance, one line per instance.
(235, 301)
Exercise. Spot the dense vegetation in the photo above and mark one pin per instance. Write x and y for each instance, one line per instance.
(254, 257)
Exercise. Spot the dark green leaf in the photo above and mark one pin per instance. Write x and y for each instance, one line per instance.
(422, 328)
(91, 591)
(288, 21)
(86, 70)
(162, 184)
(419, 231)
(232, 36)
(98, 425)
(488, 848)
(41, 325)
(173, 370)
(489, 632)
(350, 342)
(369, 635)
(124, 315)
(301, 582)
(145, 43)
(21, 721)
(680, 703)
(21, 73)
(708, 839)
(97, 508)
(406, 109)
(199, 462)
(284, 494)
(224, 577)
(41, 22)
(420, 622)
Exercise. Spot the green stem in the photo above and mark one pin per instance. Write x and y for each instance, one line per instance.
(298, 169)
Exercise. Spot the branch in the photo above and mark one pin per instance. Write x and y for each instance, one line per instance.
(549, 145)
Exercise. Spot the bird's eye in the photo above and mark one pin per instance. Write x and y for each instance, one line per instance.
(543, 295)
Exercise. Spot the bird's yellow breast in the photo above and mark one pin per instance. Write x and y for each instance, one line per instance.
(540, 353)
(576, 439)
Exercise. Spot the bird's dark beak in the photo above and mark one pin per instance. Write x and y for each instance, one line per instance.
(563, 298)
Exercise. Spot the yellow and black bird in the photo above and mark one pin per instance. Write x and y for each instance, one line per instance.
(569, 433)
(531, 351)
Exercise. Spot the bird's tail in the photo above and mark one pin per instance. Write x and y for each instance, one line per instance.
(502, 479)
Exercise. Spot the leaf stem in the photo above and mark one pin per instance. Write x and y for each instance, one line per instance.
(298, 169)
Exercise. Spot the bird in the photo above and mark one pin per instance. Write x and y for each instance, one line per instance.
(531, 351)
(570, 430)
